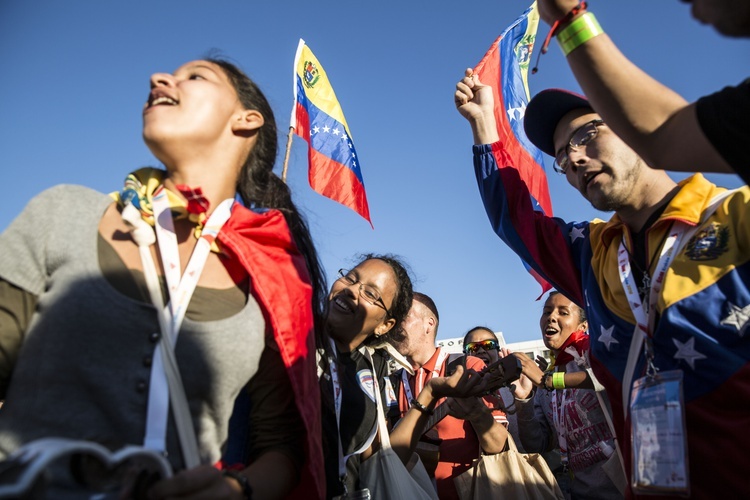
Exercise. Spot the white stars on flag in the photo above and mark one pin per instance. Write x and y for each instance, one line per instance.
(686, 351)
(516, 113)
(606, 338)
(575, 233)
(737, 317)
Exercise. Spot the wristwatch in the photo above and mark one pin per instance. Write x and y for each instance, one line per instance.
(543, 383)
(247, 490)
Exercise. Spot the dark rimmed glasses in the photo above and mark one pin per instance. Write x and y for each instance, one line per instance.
(578, 139)
(487, 345)
(367, 292)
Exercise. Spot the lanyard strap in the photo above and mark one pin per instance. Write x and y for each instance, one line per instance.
(165, 372)
(558, 409)
(337, 397)
(644, 314)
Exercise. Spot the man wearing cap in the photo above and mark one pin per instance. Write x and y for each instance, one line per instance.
(667, 275)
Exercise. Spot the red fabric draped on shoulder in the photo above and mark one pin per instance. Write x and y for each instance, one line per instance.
(264, 246)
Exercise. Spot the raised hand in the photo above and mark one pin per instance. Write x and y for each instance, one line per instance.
(475, 101)
(552, 10)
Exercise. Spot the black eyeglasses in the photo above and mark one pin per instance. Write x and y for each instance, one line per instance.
(367, 292)
(579, 139)
(487, 345)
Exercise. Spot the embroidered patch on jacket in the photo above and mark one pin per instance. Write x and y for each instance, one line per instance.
(708, 243)
(364, 378)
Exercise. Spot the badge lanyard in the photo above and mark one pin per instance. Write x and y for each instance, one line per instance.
(644, 314)
(419, 378)
(180, 292)
(337, 402)
(658, 438)
(557, 418)
(337, 397)
(645, 319)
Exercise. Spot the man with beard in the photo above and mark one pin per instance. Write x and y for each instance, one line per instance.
(663, 283)
(470, 422)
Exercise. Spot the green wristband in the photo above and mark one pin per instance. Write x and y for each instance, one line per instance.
(578, 32)
(558, 380)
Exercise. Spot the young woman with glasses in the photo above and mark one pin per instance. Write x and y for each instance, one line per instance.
(366, 305)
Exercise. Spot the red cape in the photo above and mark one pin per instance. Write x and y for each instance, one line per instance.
(264, 246)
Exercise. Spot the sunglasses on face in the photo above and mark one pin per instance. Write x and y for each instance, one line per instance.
(486, 345)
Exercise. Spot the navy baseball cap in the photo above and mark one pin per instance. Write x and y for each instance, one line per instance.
(544, 112)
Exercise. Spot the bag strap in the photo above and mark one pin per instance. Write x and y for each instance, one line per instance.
(385, 439)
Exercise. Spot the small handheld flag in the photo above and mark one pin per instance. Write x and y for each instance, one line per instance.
(317, 117)
(505, 68)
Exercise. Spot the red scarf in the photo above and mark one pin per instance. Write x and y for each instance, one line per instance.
(264, 246)
(579, 339)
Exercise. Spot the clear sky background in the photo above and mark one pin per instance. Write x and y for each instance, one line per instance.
(74, 77)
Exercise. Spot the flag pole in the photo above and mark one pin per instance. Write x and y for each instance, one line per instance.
(286, 154)
(293, 118)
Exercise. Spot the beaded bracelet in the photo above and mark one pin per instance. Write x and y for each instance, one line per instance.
(581, 30)
(419, 406)
(558, 380)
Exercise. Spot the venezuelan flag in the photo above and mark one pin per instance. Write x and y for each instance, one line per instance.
(505, 67)
(317, 117)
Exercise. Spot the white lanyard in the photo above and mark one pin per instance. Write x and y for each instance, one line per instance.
(644, 315)
(171, 317)
(558, 410)
(419, 377)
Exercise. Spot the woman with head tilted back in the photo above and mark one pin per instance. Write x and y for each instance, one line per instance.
(83, 336)
(366, 306)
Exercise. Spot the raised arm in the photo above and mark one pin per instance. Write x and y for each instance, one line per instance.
(543, 242)
(655, 121)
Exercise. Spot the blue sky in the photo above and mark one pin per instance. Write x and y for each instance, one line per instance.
(75, 77)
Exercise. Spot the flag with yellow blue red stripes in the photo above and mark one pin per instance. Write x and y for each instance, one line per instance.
(334, 168)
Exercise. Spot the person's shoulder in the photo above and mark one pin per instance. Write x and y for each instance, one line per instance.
(62, 196)
(70, 191)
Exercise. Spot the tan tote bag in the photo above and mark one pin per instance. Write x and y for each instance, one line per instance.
(508, 475)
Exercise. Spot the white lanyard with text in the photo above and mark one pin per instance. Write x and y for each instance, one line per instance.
(644, 314)
(180, 292)
(558, 410)
(419, 378)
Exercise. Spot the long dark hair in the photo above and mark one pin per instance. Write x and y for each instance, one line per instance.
(260, 187)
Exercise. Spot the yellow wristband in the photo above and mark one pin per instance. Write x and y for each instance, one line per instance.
(578, 32)
(558, 380)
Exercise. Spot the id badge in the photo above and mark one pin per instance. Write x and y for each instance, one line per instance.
(659, 441)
